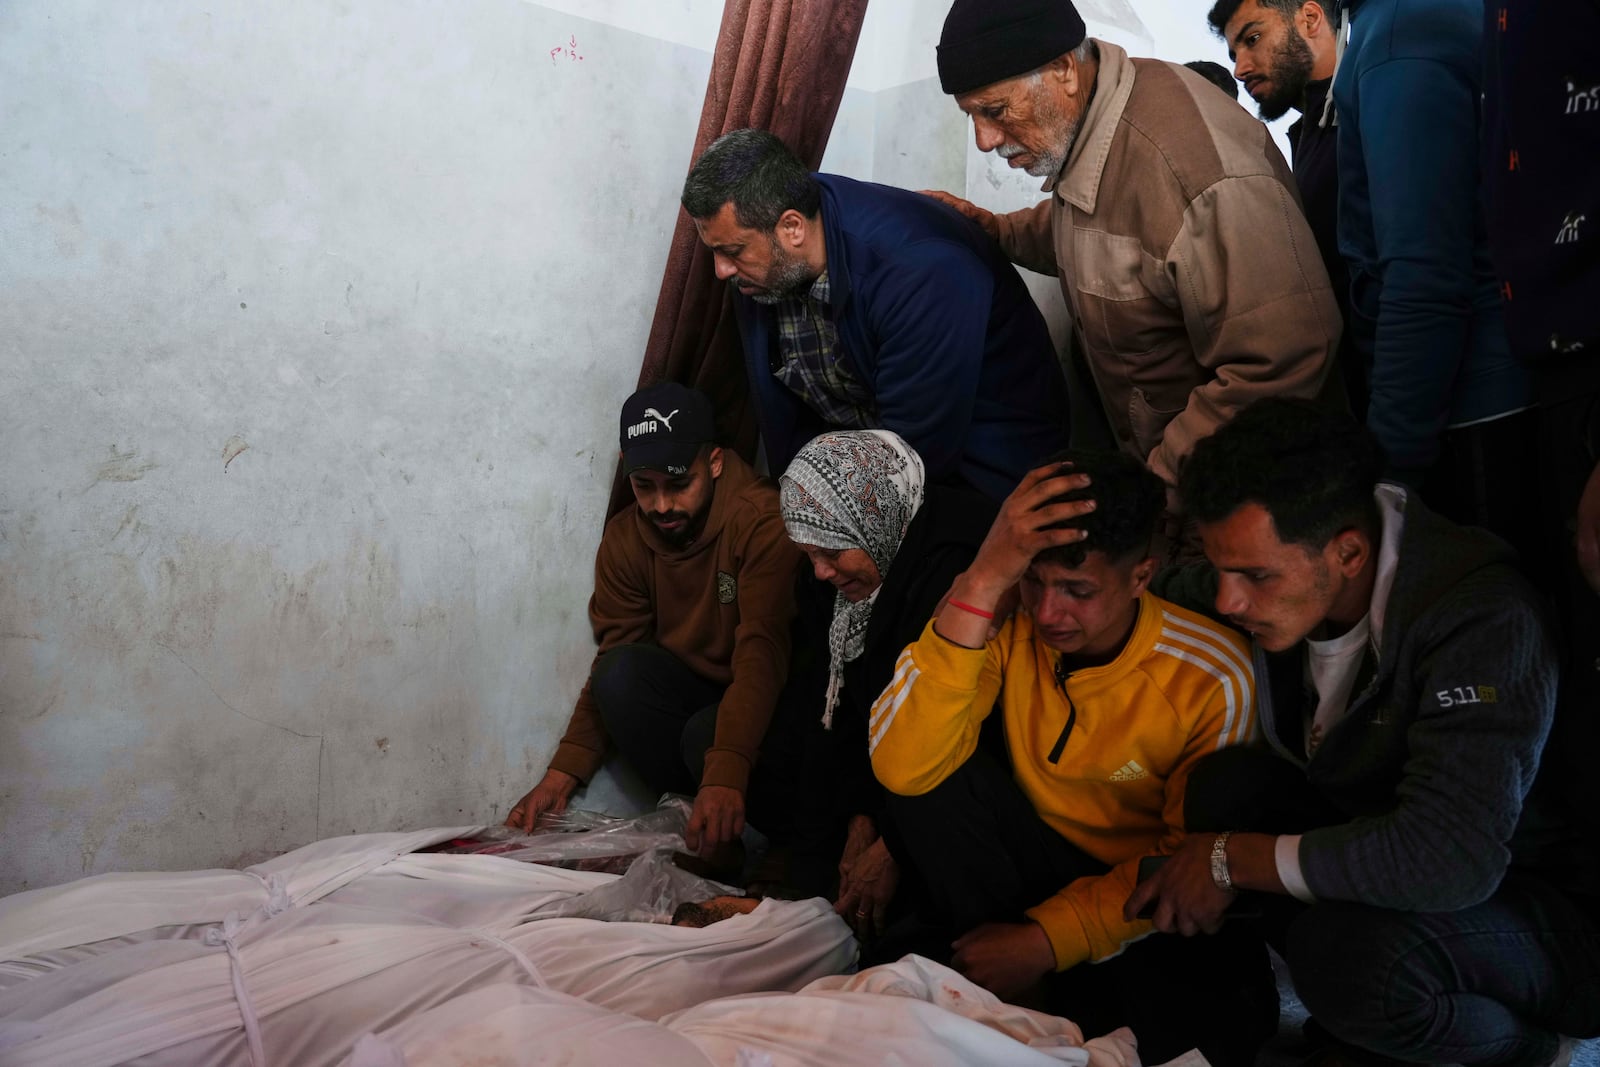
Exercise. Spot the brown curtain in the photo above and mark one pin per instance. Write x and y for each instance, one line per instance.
(780, 65)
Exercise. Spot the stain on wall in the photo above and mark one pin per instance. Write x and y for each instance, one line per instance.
(232, 449)
(120, 467)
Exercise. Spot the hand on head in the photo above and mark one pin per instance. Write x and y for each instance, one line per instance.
(1030, 521)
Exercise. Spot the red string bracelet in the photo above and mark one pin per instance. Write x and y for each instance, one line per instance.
(979, 612)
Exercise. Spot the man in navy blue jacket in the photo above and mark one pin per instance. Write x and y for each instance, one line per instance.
(867, 307)
(1449, 403)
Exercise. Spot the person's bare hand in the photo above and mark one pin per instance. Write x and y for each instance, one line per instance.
(1022, 529)
(1186, 899)
(1588, 539)
(867, 885)
(858, 837)
(717, 818)
(966, 207)
(1005, 958)
(550, 795)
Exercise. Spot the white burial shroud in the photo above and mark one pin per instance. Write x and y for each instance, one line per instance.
(358, 950)
(913, 1011)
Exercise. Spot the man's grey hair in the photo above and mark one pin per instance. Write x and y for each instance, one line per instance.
(755, 172)
(1087, 52)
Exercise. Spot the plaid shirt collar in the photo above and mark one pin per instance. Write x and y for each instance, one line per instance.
(812, 362)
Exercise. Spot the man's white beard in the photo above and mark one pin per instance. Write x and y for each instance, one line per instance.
(1049, 164)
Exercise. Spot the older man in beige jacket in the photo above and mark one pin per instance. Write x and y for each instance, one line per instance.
(1193, 279)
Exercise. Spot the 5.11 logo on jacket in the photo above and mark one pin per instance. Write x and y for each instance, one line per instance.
(1467, 694)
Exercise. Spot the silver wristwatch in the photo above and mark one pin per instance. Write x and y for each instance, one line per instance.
(1219, 861)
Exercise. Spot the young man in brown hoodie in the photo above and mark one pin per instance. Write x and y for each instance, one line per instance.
(694, 592)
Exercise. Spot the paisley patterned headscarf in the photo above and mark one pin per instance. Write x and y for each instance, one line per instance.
(855, 489)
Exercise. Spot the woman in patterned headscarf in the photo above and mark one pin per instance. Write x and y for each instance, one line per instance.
(847, 500)
(855, 503)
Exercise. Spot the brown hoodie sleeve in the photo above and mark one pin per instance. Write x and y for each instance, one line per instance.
(767, 564)
(621, 611)
(1026, 239)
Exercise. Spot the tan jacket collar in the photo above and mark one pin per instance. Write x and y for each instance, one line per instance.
(1079, 181)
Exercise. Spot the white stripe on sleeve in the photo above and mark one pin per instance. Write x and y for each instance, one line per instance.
(1238, 729)
(888, 707)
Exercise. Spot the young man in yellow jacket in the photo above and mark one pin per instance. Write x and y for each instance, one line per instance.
(1107, 696)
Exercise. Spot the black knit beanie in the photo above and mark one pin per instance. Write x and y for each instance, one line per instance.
(986, 41)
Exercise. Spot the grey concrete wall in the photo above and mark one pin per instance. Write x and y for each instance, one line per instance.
(316, 317)
(920, 138)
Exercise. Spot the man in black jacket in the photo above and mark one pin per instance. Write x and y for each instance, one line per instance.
(1541, 167)
(1283, 52)
(1407, 689)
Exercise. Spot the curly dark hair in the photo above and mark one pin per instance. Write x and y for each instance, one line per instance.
(1129, 501)
(1223, 10)
(1311, 468)
(756, 172)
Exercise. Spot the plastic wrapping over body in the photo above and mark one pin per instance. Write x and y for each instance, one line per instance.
(585, 840)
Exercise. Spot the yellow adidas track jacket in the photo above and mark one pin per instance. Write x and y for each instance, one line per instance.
(1182, 687)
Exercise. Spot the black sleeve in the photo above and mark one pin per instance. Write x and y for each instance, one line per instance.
(1189, 585)
(909, 610)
